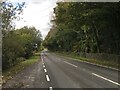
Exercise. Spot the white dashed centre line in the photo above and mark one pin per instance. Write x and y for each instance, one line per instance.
(41, 58)
(44, 66)
(106, 79)
(47, 77)
(71, 64)
(45, 70)
(50, 88)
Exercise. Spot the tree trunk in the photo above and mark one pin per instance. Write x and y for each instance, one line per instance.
(95, 31)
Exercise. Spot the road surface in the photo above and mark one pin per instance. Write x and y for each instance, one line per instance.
(55, 71)
(67, 73)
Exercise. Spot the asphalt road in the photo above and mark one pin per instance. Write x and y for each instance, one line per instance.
(31, 77)
(63, 72)
(54, 71)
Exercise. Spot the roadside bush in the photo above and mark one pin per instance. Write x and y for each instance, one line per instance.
(18, 45)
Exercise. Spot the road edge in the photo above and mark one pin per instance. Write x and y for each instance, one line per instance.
(91, 63)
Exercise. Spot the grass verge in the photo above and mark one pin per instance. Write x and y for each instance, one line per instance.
(94, 61)
(8, 74)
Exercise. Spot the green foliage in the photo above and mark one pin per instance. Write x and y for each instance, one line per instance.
(105, 62)
(8, 74)
(85, 27)
(29, 37)
(9, 13)
(19, 43)
(16, 43)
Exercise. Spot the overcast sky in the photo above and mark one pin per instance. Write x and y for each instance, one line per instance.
(37, 13)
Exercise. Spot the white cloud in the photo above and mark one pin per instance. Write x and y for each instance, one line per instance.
(37, 13)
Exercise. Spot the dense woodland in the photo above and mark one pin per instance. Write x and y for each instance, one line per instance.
(85, 27)
(17, 44)
(77, 27)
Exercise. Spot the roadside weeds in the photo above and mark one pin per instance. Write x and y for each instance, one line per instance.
(9, 74)
(103, 63)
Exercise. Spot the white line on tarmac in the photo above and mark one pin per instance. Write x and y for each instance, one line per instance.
(50, 88)
(41, 58)
(106, 79)
(45, 70)
(47, 77)
(94, 64)
(71, 64)
(44, 66)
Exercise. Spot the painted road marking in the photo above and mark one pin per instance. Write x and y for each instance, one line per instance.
(44, 66)
(41, 58)
(47, 77)
(106, 79)
(50, 88)
(45, 70)
(42, 61)
(71, 64)
(93, 64)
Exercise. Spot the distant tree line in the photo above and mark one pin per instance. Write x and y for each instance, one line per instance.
(85, 27)
(17, 44)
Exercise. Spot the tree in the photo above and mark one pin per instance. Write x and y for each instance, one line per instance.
(86, 27)
(16, 43)
(9, 13)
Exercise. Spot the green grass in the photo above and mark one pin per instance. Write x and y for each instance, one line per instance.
(8, 74)
(37, 54)
(103, 62)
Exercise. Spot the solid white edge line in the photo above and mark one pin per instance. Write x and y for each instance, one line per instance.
(45, 70)
(50, 88)
(71, 64)
(47, 77)
(106, 79)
